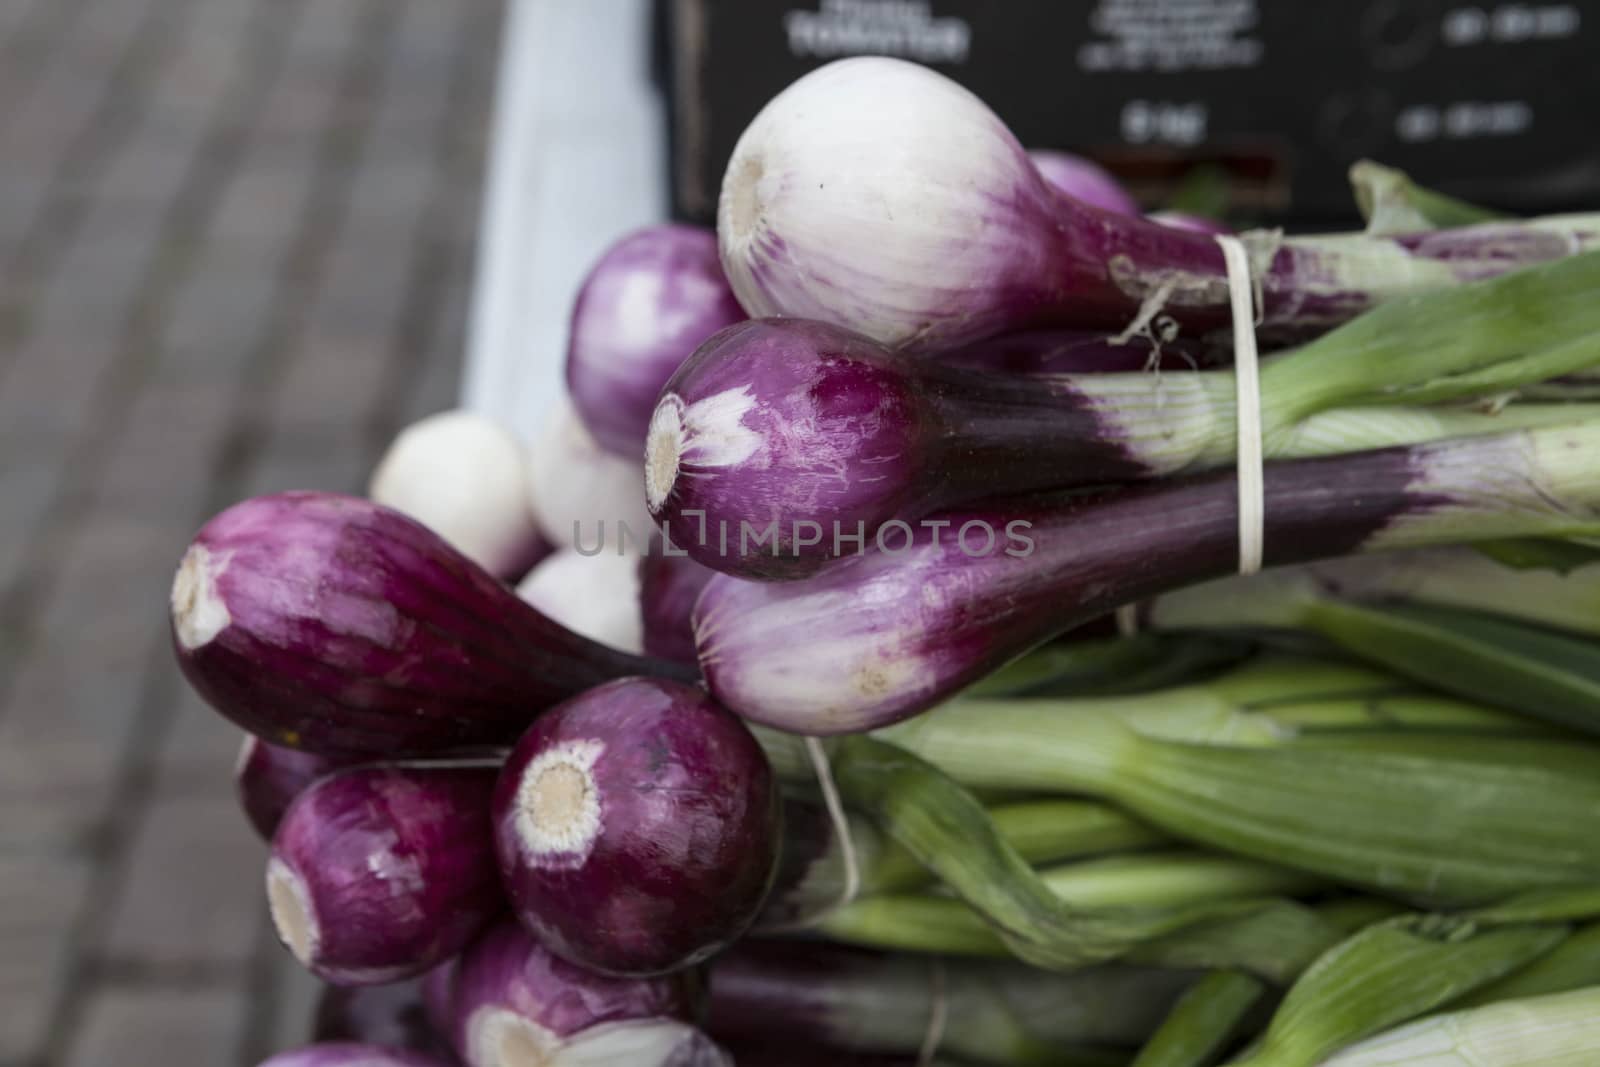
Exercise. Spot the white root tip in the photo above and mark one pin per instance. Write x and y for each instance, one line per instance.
(292, 914)
(198, 611)
(663, 448)
(742, 218)
(506, 1039)
(558, 805)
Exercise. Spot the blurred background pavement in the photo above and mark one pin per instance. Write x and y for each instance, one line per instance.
(236, 245)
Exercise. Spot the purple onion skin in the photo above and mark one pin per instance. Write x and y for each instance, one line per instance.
(508, 970)
(880, 638)
(674, 846)
(394, 1016)
(334, 625)
(769, 997)
(1081, 352)
(647, 303)
(350, 1054)
(394, 868)
(269, 777)
(1084, 180)
(832, 429)
(668, 587)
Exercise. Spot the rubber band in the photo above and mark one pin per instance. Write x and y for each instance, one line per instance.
(841, 822)
(938, 1016)
(1247, 379)
(1127, 617)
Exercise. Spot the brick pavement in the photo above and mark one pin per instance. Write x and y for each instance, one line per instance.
(235, 245)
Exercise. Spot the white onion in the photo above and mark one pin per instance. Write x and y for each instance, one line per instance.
(596, 596)
(465, 476)
(583, 496)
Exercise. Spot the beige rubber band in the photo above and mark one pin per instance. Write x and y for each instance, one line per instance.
(1247, 379)
(841, 823)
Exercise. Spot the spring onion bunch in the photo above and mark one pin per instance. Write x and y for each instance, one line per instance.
(979, 752)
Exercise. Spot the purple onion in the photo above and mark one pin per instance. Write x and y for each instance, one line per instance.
(1083, 180)
(882, 637)
(668, 587)
(1183, 220)
(335, 625)
(515, 1002)
(782, 444)
(882, 196)
(653, 297)
(347, 1054)
(382, 873)
(391, 1015)
(637, 827)
(267, 778)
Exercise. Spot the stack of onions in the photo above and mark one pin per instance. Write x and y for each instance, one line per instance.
(736, 713)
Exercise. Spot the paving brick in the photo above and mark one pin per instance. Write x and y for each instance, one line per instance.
(162, 464)
(41, 897)
(295, 994)
(13, 14)
(192, 892)
(334, 462)
(61, 104)
(101, 158)
(71, 709)
(200, 747)
(123, 1027)
(29, 466)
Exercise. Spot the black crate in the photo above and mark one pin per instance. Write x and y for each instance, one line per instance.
(1493, 102)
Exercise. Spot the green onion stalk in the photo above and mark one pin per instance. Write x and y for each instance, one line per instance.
(1496, 657)
(1565, 597)
(814, 876)
(1470, 814)
(1392, 203)
(1056, 925)
(1388, 974)
(1558, 1030)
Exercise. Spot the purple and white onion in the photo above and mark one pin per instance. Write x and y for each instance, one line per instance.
(649, 301)
(335, 625)
(879, 638)
(637, 827)
(1083, 180)
(267, 778)
(669, 584)
(379, 874)
(880, 195)
(518, 1005)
